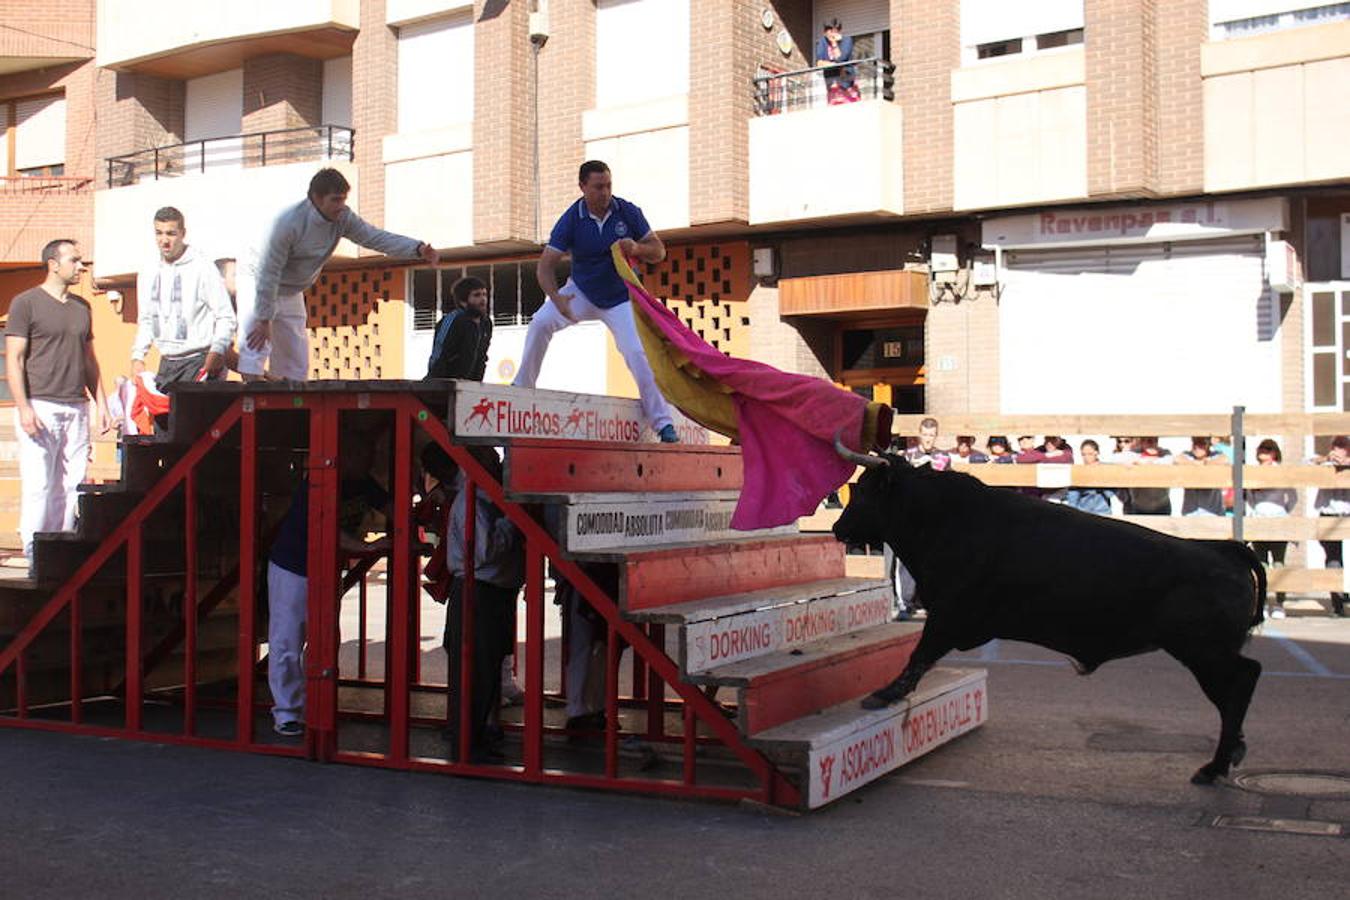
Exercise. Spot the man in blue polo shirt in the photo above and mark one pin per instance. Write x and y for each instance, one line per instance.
(595, 291)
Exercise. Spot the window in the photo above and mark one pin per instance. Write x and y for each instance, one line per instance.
(435, 73)
(513, 291)
(994, 28)
(641, 50)
(36, 128)
(1245, 18)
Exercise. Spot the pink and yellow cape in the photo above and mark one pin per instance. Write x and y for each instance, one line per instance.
(784, 423)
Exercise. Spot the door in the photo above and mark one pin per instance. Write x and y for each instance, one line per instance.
(1328, 346)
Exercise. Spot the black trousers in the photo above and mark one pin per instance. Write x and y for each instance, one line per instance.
(494, 633)
(1334, 552)
(177, 369)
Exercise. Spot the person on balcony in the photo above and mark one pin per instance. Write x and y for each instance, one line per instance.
(298, 244)
(184, 310)
(595, 290)
(834, 46)
(52, 374)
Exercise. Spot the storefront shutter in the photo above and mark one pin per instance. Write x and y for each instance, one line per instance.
(40, 132)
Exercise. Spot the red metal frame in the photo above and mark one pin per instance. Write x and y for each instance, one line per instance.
(656, 686)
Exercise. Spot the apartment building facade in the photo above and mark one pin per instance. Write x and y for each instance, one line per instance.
(1060, 206)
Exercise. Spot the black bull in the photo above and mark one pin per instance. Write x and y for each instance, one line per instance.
(992, 563)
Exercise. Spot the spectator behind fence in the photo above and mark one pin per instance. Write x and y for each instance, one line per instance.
(965, 451)
(834, 46)
(925, 451)
(1089, 499)
(998, 449)
(1147, 501)
(1054, 450)
(1334, 502)
(1201, 501)
(1271, 502)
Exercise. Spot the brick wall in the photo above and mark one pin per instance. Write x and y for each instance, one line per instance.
(1120, 54)
(1181, 29)
(730, 45)
(926, 46)
(967, 335)
(282, 90)
(503, 124)
(45, 29)
(566, 89)
(137, 112)
(374, 105)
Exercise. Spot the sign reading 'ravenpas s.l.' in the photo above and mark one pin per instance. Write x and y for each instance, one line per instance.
(491, 412)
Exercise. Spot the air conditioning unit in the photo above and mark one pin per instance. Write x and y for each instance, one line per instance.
(942, 255)
(1281, 266)
(763, 262)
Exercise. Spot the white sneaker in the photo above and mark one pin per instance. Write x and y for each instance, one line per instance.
(1277, 613)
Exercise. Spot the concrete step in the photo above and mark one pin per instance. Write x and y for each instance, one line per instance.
(622, 521)
(742, 626)
(839, 749)
(498, 414)
(662, 576)
(785, 685)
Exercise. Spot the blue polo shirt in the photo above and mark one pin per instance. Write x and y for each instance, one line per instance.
(588, 240)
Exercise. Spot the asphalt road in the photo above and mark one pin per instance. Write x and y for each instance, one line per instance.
(1076, 788)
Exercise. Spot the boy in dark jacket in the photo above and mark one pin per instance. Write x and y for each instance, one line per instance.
(460, 349)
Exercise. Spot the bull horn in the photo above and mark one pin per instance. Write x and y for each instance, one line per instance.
(866, 460)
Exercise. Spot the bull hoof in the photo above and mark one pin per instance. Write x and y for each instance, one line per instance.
(1239, 754)
(879, 700)
(1206, 775)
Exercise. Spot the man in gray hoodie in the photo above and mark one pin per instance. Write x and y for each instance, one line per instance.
(272, 283)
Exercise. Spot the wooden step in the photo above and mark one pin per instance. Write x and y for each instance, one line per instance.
(788, 684)
(728, 629)
(602, 522)
(497, 414)
(667, 575)
(536, 469)
(836, 751)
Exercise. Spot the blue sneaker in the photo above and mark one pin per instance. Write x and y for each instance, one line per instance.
(668, 435)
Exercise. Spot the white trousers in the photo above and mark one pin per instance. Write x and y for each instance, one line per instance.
(287, 611)
(51, 467)
(289, 348)
(619, 320)
(583, 694)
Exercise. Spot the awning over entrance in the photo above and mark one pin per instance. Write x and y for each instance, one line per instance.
(853, 293)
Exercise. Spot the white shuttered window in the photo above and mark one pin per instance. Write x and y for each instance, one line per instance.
(435, 74)
(641, 50)
(40, 132)
(987, 21)
(857, 16)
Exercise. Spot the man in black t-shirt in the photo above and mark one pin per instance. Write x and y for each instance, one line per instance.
(52, 375)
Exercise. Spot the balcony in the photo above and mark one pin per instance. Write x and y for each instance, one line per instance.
(227, 188)
(826, 151)
(45, 207)
(173, 39)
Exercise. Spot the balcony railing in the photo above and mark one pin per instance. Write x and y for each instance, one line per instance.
(861, 79)
(43, 184)
(264, 148)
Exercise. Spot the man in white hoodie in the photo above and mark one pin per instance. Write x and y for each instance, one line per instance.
(182, 308)
(272, 281)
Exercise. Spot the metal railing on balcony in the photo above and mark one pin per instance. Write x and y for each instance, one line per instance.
(862, 79)
(263, 148)
(43, 184)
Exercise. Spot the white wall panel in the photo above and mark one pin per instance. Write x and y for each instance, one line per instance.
(40, 132)
(435, 73)
(985, 21)
(641, 50)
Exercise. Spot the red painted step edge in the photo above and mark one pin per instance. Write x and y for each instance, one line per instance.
(789, 694)
(663, 577)
(556, 467)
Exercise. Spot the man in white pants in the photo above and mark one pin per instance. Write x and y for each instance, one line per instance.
(595, 291)
(272, 282)
(52, 375)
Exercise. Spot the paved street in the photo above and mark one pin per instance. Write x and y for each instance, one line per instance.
(1077, 787)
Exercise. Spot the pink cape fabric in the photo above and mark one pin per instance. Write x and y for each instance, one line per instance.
(787, 425)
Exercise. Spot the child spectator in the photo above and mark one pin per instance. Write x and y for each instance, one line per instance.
(1201, 501)
(1148, 501)
(998, 449)
(965, 451)
(1089, 499)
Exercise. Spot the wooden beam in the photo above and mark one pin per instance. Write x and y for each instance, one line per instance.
(1165, 425)
(885, 291)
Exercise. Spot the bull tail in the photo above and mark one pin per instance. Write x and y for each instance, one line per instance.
(1241, 552)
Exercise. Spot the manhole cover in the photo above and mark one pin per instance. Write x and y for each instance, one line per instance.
(1321, 785)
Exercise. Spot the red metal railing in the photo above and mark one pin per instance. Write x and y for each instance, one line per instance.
(656, 687)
